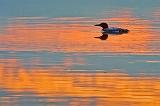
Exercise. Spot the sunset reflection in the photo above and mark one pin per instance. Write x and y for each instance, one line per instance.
(53, 54)
(76, 37)
(106, 87)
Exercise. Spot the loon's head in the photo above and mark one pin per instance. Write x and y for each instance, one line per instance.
(103, 25)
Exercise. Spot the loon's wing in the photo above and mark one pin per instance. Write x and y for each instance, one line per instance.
(112, 30)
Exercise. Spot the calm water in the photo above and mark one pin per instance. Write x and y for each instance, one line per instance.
(49, 55)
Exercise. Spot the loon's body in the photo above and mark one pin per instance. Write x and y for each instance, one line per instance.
(111, 30)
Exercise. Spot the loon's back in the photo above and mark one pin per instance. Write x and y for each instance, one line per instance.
(113, 30)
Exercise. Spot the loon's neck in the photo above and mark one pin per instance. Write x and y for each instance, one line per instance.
(104, 29)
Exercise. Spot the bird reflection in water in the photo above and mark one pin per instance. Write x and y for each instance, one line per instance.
(103, 37)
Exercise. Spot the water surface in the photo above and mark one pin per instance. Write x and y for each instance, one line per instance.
(49, 55)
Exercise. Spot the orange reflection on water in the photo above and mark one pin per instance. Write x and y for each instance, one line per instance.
(21, 36)
(107, 88)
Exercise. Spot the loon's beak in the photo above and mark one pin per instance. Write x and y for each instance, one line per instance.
(97, 25)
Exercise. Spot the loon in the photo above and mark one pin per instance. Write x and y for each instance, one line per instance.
(111, 30)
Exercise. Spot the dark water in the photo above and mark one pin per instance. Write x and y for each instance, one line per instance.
(49, 55)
